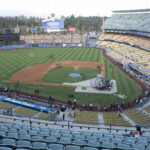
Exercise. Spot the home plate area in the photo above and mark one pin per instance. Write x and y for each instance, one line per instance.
(95, 85)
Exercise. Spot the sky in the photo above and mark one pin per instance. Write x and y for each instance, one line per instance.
(43, 8)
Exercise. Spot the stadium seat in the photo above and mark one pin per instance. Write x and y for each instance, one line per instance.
(24, 137)
(89, 148)
(79, 143)
(32, 133)
(23, 144)
(65, 141)
(93, 144)
(2, 134)
(138, 147)
(7, 142)
(12, 135)
(43, 134)
(55, 147)
(108, 145)
(70, 147)
(39, 145)
(79, 137)
(5, 148)
(51, 140)
(37, 138)
(56, 135)
(21, 131)
(124, 147)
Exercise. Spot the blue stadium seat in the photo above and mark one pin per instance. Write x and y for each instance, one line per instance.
(21, 131)
(37, 138)
(138, 147)
(108, 146)
(56, 135)
(93, 144)
(32, 133)
(89, 148)
(24, 137)
(43, 134)
(91, 138)
(39, 146)
(70, 147)
(51, 140)
(16, 126)
(55, 147)
(2, 134)
(12, 130)
(104, 140)
(12, 135)
(27, 128)
(65, 141)
(21, 149)
(67, 136)
(124, 147)
(23, 144)
(5, 148)
(79, 137)
(7, 142)
(4, 129)
(117, 141)
(129, 142)
(79, 143)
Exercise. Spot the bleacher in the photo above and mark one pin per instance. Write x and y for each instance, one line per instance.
(130, 21)
(127, 54)
(138, 116)
(147, 108)
(6, 105)
(25, 111)
(114, 118)
(43, 115)
(23, 137)
(132, 39)
(85, 117)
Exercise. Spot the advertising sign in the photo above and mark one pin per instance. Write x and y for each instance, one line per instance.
(56, 24)
(72, 29)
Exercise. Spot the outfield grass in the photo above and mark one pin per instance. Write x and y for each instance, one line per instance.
(61, 75)
(15, 60)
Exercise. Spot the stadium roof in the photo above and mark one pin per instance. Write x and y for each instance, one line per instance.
(130, 11)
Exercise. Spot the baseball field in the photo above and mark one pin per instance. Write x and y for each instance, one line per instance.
(47, 68)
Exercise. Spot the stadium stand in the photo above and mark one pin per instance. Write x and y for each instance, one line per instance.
(138, 116)
(25, 111)
(132, 39)
(129, 21)
(31, 39)
(44, 116)
(85, 116)
(16, 136)
(126, 38)
(6, 105)
(115, 118)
